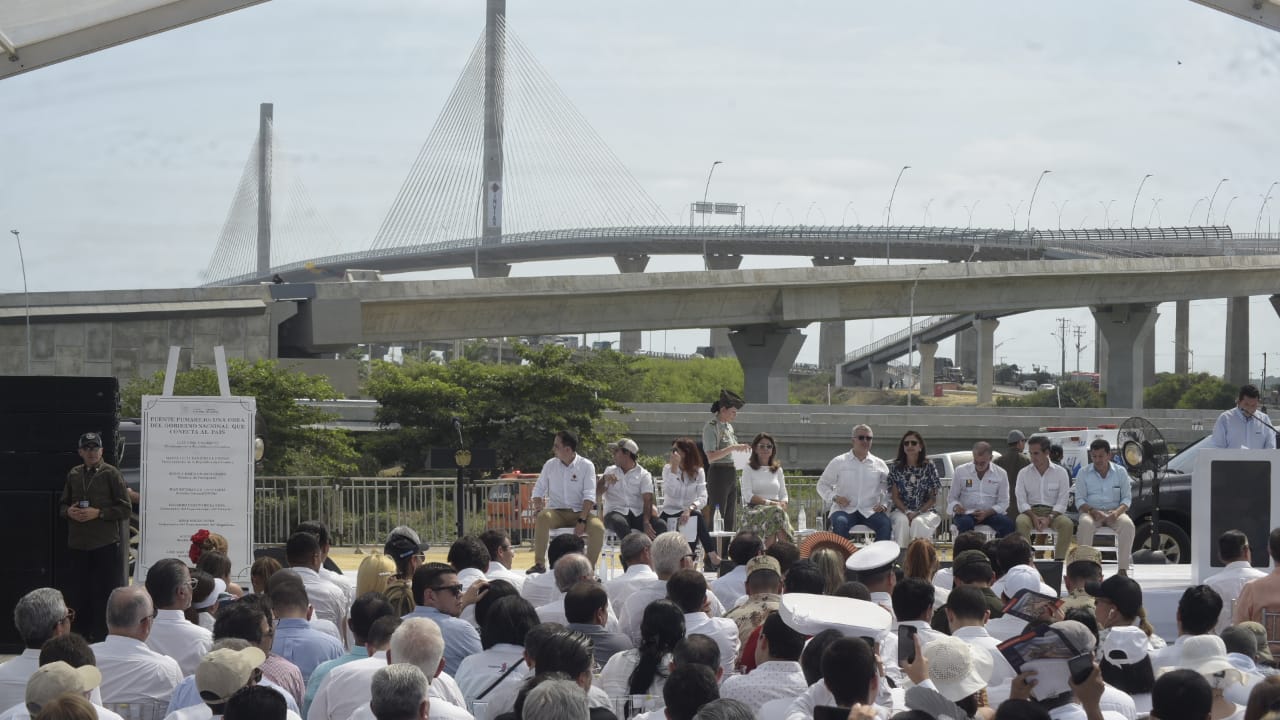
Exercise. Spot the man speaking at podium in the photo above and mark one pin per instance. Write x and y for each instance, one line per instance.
(1244, 427)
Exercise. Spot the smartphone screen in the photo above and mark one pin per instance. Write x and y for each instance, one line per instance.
(1080, 667)
(906, 644)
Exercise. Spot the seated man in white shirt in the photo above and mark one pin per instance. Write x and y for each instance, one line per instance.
(1197, 614)
(501, 554)
(169, 583)
(849, 678)
(636, 555)
(670, 553)
(967, 614)
(327, 599)
(777, 673)
(540, 589)
(1233, 550)
(220, 675)
(40, 615)
(626, 490)
(1041, 493)
(131, 671)
(1015, 555)
(470, 558)
(912, 606)
(687, 689)
(564, 496)
(731, 587)
(419, 642)
(569, 571)
(343, 689)
(329, 570)
(688, 590)
(399, 692)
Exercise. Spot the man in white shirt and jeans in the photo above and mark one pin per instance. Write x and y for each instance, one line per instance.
(565, 496)
(1041, 493)
(856, 484)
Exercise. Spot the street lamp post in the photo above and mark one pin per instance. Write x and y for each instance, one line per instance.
(971, 209)
(1193, 209)
(1263, 206)
(888, 211)
(926, 212)
(845, 214)
(26, 296)
(1208, 215)
(706, 263)
(1135, 198)
(1060, 208)
(810, 210)
(775, 211)
(1031, 205)
(1013, 213)
(1106, 212)
(1154, 204)
(1226, 213)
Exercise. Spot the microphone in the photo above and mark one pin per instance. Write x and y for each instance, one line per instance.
(1253, 416)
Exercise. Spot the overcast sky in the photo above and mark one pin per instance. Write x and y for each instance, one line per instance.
(119, 168)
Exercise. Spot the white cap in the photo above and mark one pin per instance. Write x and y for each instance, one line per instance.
(1125, 645)
(1019, 577)
(956, 669)
(811, 614)
(219, 587)
(874, 556)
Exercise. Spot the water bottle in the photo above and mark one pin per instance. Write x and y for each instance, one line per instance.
(717, 523)
(803, 519)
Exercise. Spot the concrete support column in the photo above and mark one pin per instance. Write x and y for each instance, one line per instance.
(629, 340)
(719, 340)
(967, 351)
(986, 330)
(766, 353)
(1236, 366)
(1149, 359)
(1181, 327)
(1100, 353)
(831, 335)
(927, 352)
(872, 375)
(1125, 329)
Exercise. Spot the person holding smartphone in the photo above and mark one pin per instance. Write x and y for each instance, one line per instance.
(94, 501)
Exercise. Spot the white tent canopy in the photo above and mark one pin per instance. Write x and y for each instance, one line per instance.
(36, 33)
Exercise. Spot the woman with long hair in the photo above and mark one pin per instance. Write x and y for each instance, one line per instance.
(913, 489)
(643, 670)
(922, 562)
(831, 564)
(764, 493)
(684, 493)
(506, 622)
(375, 573)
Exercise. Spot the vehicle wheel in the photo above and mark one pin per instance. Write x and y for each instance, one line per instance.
(1173, 541)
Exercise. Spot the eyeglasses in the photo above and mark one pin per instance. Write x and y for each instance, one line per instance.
(69, 618)
(455, 589)
(765, 446)
(863, 438)
(690, 556)
(192, 582)
(910, 443)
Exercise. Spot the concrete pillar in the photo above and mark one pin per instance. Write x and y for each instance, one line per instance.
(629, 340)
(1149, 359)
(719, 339)
(266, 112)
(766, 353)
(986, 331)
(1181, 327)
(495, 58)
(1125, 329)
(967, 352)
(1236, 366)
(927, 352)
(831, 337)
(1100, 354)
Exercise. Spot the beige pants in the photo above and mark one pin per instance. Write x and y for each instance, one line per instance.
(1061, 525)
(1124, 530)
(565, 518)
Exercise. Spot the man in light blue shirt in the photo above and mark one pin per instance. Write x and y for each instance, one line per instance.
(295, 640)
(440, 599)
(1244, 427)
(1103, 496)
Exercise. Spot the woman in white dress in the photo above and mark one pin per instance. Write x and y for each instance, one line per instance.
(764, 493)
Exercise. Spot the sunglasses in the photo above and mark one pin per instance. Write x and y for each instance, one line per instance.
(863, 438)
(910, 443)
(455, 589)
(765, 446)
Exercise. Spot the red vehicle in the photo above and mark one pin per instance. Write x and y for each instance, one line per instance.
(509, 505)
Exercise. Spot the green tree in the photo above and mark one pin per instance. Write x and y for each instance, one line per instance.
(1073, 394)
(514, 409)
(1210, 393)
(688, 381)
(295, 445)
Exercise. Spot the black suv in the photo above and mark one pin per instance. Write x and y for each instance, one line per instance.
(1175, 506)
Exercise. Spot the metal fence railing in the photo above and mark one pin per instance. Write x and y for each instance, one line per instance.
(362, 511)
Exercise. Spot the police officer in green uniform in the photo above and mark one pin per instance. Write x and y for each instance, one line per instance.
(94, 501)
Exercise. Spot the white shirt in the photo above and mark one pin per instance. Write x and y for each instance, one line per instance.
(1051, 488)
(1228, 582)
(889, 643)
(865, 483)
(620, 587)
(20, 712)
(990, 491)
(328, 600)
(503, 699)
(477, 672)
(470, 576)
(553, 612)
(345, 688)
(978, 637)
(731, 587)
(498, 571)
(615, 677)
(202, 712)
(438, 710)
(642, 594)
(723, 630)
(680, 493)
(768, 484)
(14, 674)
(173, 635)
(540, 589)
(566, 486)
(802, 707)
(133, 672)
(627, 494)
(344, 583)
(769, 681)
(1006, 627)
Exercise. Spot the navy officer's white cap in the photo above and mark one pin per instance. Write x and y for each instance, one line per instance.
(875, 556)
(811, 614)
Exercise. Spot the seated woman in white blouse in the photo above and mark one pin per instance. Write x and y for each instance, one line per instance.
(764, 493)
(684, 493)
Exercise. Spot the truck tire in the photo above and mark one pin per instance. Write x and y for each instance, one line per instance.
(1173, 541)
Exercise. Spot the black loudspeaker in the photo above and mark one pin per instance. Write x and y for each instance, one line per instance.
(1240, 493)
(55, 394)
(37, 557)
(1051, 571)
(27, 432)
(34, 471)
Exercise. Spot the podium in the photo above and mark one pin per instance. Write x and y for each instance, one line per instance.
(1233, 490)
